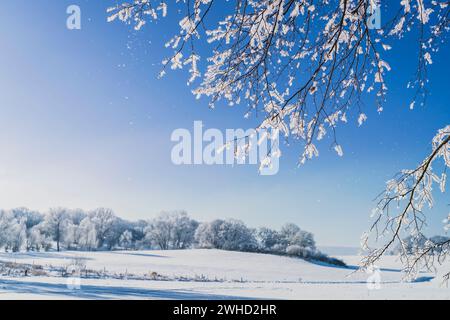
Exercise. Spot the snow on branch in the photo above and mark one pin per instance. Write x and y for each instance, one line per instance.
(400, 212)
(302, 64)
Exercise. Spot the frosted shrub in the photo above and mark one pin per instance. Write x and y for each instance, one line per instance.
(296, 250)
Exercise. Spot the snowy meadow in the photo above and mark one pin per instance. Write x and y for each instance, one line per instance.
(72, 254)
(205, 274)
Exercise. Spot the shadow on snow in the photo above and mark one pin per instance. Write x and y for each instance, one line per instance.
(105, 292)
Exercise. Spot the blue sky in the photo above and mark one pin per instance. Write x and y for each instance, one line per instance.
(85, 123)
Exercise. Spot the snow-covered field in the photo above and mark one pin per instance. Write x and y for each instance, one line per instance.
(208, 274)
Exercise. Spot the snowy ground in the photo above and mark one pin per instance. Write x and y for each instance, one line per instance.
(209, 274)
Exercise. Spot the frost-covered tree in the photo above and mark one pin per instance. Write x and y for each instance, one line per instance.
(291, 234)
(71, 235)
(126, 240)
(268, 239)
(235, 235)
(410, 244)
(183, 230)
(171, 230)
(6, 219)
(18, 235)
(305, 239)
(20, 228)
(54, 225)
(207, 234)
(30, 217)
(118, 228)
(87, 232)
(105, 222)
(289, 240)
(37, 240)
(138, 231)
(12, 231)
(76, 215)
(288, 232)
(158, 232)
(439, 239)
(297, 251)
(72, 232)
(306, 66)
(227, 235)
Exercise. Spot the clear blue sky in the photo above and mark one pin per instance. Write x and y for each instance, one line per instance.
(84, 123)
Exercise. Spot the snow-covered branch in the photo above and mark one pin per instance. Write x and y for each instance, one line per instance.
(302, 64)
(400, 211)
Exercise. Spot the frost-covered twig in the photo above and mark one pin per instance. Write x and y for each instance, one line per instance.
(399, 211)
(302, 64)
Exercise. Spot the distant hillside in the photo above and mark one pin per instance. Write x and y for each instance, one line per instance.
(339, 251)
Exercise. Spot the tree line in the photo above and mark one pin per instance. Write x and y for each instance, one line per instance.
(59, 229)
